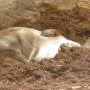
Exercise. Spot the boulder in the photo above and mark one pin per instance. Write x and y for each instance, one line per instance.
(13, 12)
(84, 4)
(66, 4)
(69, 17)
(25, 13)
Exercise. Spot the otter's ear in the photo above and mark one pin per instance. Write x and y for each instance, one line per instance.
(49, 33)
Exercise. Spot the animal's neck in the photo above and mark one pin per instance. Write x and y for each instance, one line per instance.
(57, 40)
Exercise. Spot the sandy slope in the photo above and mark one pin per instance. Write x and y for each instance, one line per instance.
(70, 70)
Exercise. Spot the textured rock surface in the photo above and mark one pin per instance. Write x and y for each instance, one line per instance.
(66, 4)
(14, 11)
(84, 4)
(61, 4)
(24, 13)
(73, 22)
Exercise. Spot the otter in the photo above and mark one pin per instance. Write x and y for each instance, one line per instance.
(30, 44)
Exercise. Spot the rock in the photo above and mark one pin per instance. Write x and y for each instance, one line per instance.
(68, 17)
(14, 11)
(24, 13)
(84, 4)
(60, 4)
(66, 4)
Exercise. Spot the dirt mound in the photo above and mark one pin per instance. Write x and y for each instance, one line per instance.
(73, 24)
(69, 70)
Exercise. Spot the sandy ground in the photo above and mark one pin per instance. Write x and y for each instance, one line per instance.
(69, 70)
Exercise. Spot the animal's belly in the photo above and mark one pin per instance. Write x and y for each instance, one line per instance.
(46, 53)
